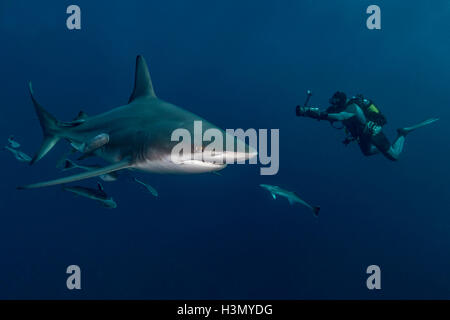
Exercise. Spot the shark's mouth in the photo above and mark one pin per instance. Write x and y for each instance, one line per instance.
(202, 164)
(181, 165)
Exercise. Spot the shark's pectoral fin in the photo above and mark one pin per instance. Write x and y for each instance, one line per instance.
(291, 202)
(81, 176)
(274, 196)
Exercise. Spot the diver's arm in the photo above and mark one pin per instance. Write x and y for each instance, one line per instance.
(315, 113)
(341, 116)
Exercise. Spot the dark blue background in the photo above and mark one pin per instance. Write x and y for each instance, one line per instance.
(238, 64)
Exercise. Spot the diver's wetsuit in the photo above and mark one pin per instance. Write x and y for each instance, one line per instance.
(355, 121)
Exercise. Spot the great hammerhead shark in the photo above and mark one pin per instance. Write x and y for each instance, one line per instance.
(134, 136)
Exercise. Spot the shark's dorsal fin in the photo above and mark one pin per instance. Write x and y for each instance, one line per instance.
(142, 82)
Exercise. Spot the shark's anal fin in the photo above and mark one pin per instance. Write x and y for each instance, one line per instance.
(143, 86)
(81, 176)
(81, 116)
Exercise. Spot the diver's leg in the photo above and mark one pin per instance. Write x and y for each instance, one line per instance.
(397, 147)
(392, 152)
(367, 147)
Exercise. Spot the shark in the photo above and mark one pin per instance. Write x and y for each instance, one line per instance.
(98, 194)
(292, 197)
(134, 136)
(147, 186)
(13, 143)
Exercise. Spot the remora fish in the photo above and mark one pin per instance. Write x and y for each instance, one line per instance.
(148, 187)
(290, 195)
(95, 194)
(13, 143)
(139, 135)
(19, 155)
(108, 177)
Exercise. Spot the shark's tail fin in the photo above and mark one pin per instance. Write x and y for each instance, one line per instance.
(316, 210)
(50, 128)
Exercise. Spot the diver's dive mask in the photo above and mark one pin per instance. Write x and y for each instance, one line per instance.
(338, 99)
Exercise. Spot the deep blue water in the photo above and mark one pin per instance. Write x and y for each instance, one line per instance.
(239, 64)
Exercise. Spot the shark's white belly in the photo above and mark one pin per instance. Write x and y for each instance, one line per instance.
(186, 166)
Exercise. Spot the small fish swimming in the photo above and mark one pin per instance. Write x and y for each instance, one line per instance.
(88, 148)
(149, 187)
(95, 194)
(13, 143)
(290, 195)
(108, 177)
(22, 157)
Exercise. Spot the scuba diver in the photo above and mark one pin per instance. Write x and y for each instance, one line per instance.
(363, 123)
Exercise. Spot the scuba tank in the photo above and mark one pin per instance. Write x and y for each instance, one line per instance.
(369, 108)
(373, 115)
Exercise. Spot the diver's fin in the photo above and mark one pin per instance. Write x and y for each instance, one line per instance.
(274, 196)
(143, 86)
(405, 131)
(81, 176)
(49, 126)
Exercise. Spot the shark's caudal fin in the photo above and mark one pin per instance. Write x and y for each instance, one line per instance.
(49, 128)
(143, 86)
(81, 176)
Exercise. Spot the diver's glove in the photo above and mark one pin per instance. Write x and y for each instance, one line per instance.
(310, 112)
(372, 128)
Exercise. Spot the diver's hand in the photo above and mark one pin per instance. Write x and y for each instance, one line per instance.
(372, 128)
